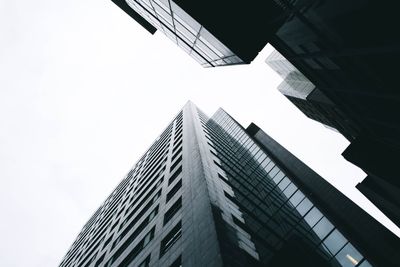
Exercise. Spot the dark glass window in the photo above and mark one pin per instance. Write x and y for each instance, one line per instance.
(323, 228)
(146, 262)
(349, 256)
(173, 191)
(170, 239)
(100, 260)
(335, 241)
(173, 176)
(178, 160)
(177, 262)
(173, 210)
(304, 206)
(313, 217)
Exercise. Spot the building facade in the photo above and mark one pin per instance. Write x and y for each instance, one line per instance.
(309, 99)
(209, 193)
(213, 33)
(349, 57)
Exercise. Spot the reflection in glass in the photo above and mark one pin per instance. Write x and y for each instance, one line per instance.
(335, 241)
(323, 227)
(313, 217)
(349, 256)
(169, 18)
(304, 206)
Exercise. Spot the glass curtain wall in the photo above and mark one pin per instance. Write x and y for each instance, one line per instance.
(271, 202)
(186, 32)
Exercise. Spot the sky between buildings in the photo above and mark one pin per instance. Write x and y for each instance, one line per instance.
(84, 91)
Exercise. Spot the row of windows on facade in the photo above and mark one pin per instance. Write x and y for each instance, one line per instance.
(186, 32)
(168, 240)
(168, 215)
(142, 202)
(109, 207)
(331, 241)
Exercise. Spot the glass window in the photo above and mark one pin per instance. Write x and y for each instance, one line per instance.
(278, 177)
(290, 190)
(284, 183)
(163, 3)
(323, 227)
(215, 43)
(269, 166)
(145, 263)
(313, 217)
(170, 239)
(185, 19)
(349, 256)
(273, 172)
(147, 238)
(200, 45)
(183, 31)
(266, 162)
(262, 158)
(304, 206)
(335, 241)
(163, 15)
(365, 263)
(296, 198)
(177, 262)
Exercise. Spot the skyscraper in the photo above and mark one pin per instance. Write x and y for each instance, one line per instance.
(214, 33)
(317, 106)
(210, 193)
(309, 99)
(349, 58)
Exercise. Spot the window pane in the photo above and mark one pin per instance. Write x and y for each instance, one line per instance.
(323, 228)
(304, 206)
(296, 198)
(183, 31)
(284, 183)
(349, 256)
(278, 177)
(313, 217)
(290, 190)
(335, 241)
(365, 263)
(185, 19)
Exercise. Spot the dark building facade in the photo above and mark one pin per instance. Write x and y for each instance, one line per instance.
(309, 99)
(383, 195)
(348, 50)
(210, 193)
(349, 56)
(214, 33)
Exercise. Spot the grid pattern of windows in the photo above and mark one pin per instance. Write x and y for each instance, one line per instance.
(186, 32)
(170, 239)
(271, 207)
(125, 224)
(309, 99)
(189, 192)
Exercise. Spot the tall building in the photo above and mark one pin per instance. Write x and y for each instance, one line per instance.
(309, 99)
(210, 193)
(348, 49)
(349, 57)
(385, 196)
(214, 33)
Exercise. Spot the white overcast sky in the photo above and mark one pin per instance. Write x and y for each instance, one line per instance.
(84, 91)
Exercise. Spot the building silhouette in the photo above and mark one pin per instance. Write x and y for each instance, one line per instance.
(309, 99)
(214, 33)
(382, 190)
(349, 57)
(210, 193)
